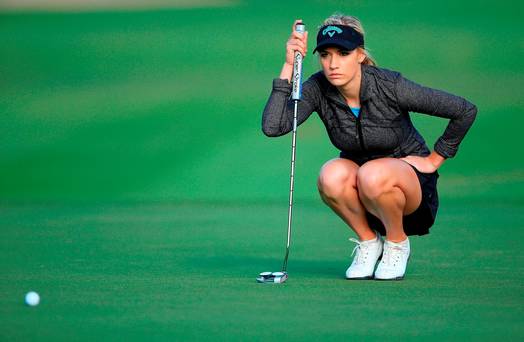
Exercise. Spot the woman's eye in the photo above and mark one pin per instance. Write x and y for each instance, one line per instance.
(323, 54)
(344, 53)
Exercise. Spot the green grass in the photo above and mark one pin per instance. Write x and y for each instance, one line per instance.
(186, 271)
(139, 197)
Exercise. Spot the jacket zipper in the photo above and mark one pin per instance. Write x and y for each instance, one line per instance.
(359, 130)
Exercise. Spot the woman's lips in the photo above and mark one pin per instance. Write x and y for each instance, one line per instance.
(335, 75)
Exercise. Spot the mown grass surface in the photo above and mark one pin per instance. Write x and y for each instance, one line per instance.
(140, 199)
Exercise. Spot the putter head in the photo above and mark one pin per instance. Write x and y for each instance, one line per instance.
(272, 277)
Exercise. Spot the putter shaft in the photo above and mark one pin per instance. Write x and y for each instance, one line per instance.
(296, 94)
(291, 186)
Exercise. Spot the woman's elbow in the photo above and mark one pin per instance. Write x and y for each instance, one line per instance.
(270, 131)
(471, 112)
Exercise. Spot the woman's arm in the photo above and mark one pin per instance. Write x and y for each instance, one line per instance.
(413, 97)
(277, 118)
(416, 98)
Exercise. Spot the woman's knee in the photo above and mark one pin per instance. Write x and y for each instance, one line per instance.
(373, 179)
(335, 176)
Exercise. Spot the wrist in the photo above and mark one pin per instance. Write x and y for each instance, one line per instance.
(436, 159)
(287, 71)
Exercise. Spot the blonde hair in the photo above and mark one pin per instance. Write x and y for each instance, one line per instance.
(353, 22)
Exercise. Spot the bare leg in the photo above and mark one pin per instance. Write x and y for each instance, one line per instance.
(337, 185)
(389, 189)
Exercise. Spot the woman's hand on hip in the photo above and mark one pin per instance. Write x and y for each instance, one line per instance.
(427, 164)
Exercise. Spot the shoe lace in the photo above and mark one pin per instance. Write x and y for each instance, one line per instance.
(360, 251)
(392, 254)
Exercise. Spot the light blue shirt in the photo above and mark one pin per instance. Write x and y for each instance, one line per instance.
(356, 111)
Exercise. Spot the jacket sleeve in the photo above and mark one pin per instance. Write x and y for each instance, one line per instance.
(414, 97)
(277, 118)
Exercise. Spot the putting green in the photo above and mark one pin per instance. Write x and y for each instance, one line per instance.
(186, 271)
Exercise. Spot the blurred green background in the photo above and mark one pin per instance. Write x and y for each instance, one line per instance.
(131, 152)
(167, 104)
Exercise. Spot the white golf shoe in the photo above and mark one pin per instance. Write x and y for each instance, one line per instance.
(366, 255)
(394, 261)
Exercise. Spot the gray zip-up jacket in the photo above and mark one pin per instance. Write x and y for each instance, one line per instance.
(383, 128)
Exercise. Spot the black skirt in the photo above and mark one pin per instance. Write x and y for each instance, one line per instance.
(418, 222)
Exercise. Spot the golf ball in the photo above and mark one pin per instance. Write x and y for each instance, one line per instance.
(32, 298)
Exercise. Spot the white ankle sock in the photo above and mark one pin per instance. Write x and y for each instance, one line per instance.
(401, 243)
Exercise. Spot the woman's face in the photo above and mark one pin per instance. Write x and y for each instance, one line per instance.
(340, 66)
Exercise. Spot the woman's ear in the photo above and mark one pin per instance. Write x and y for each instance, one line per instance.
(361, 56)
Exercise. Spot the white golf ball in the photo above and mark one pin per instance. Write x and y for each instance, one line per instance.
(32, 298)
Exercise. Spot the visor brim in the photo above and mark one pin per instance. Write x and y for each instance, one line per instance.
(344, 44)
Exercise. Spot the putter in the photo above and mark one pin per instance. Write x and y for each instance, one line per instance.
(281, 277)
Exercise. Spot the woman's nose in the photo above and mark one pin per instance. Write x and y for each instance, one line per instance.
(333, 63)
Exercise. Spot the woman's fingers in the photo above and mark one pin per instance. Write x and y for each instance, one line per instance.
(298, 21)
(296, 34)
(300, 36)
(420, 163)
(295, 47)
(297, 42)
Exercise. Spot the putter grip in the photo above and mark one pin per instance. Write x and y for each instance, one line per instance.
(297, 69)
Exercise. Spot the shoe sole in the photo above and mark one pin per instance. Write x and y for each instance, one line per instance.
(361, 278)
(389, 279)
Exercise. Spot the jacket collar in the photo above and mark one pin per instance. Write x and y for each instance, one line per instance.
(366, 90)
